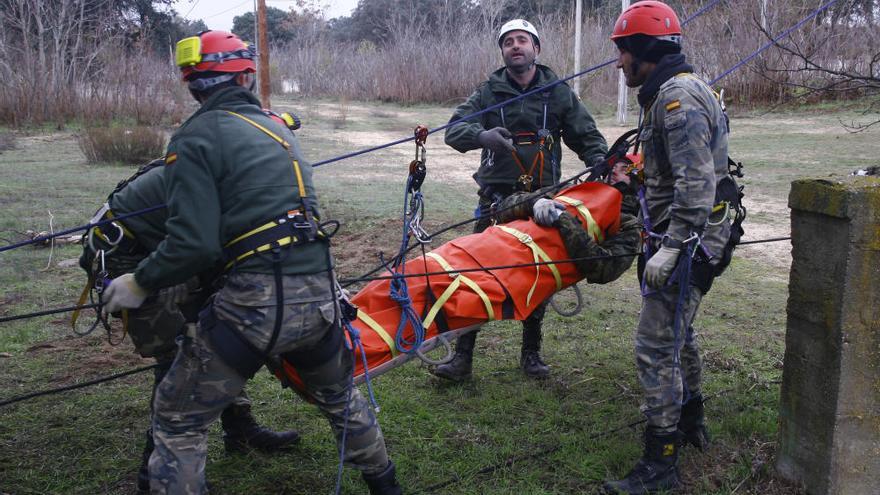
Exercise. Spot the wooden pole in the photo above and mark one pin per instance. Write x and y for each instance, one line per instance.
(578, 15)
(621, 84)
(263, 47)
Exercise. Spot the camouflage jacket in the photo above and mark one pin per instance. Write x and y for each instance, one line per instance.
(684, 141)
(566, 118)
(580, 244)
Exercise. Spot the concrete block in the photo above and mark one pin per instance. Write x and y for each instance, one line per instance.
(829, 416)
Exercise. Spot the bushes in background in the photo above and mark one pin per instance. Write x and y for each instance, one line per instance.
(130, 145)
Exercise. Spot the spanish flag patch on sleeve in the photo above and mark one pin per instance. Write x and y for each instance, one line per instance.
(170, 158)
(672, 105)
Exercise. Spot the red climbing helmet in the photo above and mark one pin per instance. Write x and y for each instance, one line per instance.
(214, 51)
(648, 17)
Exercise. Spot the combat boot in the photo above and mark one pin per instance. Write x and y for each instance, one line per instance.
(241, 432)
(692, 425)
(657, 469)
(530, 358)
(384, 483)
(460, 367)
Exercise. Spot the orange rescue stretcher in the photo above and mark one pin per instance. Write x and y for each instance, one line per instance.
(456, 303)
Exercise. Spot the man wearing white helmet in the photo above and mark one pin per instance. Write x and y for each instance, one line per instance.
(521, 151)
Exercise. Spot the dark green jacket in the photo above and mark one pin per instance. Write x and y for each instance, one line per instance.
(566, 119)
(225, 177)
(144, 192)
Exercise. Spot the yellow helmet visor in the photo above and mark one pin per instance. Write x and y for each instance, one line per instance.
(188, 52)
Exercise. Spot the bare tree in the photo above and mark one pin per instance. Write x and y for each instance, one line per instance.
(838, 58)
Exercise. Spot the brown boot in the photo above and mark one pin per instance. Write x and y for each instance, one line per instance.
(241, 432)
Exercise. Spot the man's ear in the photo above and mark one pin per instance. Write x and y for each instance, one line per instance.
(537, 50)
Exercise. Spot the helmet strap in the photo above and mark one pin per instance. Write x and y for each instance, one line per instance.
(199, 85)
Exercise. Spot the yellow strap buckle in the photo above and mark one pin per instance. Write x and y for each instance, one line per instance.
(459, 278)
(592, 226)
(538, 254)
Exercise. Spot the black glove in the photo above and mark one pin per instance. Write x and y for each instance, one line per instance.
(498, 139)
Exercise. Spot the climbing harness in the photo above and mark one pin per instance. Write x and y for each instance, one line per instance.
(293, 228)
(543, 139)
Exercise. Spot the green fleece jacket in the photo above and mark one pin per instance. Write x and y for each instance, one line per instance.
(223, 178)
(566, 119)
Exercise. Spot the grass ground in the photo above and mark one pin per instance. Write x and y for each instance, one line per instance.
(498, 434)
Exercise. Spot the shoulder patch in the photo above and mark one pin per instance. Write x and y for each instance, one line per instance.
(672, 105)
(170, 158)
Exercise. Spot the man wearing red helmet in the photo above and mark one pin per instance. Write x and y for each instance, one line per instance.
(683, 139)
(521, 151)
(240, 194)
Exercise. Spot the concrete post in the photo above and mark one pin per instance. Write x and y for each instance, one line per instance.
(829, 415)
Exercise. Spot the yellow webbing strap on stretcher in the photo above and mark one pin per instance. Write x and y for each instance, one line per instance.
(374, 326)
(539, 255)
(456, 283)
(284, 144)
(592, 227)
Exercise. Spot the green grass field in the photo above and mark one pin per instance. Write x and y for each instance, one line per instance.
(499, 434)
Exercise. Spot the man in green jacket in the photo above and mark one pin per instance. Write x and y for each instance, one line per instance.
(117, 248)
(521, 151)
(239, 193)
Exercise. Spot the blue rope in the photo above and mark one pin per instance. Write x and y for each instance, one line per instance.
(773, 41)
(398, 290)
(355, 345)
(501, 104)
(44, 238)
(684, 283)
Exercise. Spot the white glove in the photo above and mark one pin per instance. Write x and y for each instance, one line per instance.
(547, 211)
(660, 266)
(123, 293)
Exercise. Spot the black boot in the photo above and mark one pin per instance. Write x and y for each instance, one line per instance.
(143, 476)
(692, 425)
(384, 483)
(530, 358)
(242, 433)
(656, 470)
(459, 369)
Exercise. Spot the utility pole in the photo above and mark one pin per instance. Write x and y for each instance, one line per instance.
(578, 15)
(621, 84)
(263, 52)
(764, 14)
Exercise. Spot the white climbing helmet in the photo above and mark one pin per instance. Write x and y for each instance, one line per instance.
(519, 25)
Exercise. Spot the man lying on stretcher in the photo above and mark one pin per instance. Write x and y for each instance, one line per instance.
(578, 241)
(592, 221)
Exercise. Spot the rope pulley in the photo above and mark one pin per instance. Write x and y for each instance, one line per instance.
(417, 169)
(417, 172)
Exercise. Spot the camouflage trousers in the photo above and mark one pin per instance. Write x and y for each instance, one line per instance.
(665, 382)
(200, 385)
